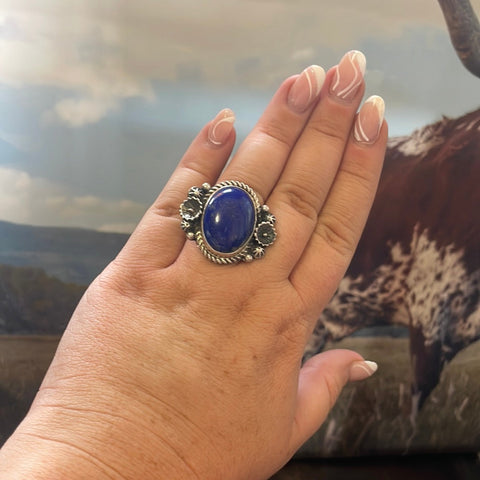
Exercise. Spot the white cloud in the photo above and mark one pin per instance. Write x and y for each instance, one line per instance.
(37, 201)
(305, 54)
(20, 142)
(81, 54)
(77, 112)
(103, 52)
(96, 45)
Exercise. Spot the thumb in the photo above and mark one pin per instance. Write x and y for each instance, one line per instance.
(321, 380)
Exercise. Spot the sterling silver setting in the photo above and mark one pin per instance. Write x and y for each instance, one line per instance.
(263, 234)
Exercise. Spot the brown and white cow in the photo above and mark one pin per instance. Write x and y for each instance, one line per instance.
(418, 262)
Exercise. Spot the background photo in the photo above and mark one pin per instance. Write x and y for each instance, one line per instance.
(98, 102)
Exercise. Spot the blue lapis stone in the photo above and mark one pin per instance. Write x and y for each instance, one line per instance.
(228, 219)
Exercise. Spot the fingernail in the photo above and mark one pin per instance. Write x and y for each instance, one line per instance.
(369, 120)
(306, 88)
(362, 370)
(348, 75)
(221, 127)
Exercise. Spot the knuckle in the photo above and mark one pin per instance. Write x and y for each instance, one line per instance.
(338, 235)
(193, 165)
(328, 130)
(274, 132)
(122, 285)
(167, 203)
(302, 201)
(290, 335)
(165, 208)
(115, 280)
(360, 176)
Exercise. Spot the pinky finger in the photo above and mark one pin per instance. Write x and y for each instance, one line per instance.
(158, 239)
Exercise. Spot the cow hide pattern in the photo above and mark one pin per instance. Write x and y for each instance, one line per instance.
(418, 262)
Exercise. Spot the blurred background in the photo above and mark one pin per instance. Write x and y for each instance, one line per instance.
(99, 99)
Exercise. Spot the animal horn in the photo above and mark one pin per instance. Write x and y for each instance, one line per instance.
(464, 29)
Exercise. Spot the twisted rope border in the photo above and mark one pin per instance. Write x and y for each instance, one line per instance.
(247, 253)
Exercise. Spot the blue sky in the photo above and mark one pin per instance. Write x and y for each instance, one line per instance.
(98, 100)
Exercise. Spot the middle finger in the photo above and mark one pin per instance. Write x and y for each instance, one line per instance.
(264, 153)
(314, 162)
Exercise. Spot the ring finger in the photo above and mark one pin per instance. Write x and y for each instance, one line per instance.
(315, 160)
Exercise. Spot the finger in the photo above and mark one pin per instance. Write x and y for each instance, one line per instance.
(262, 156)
(321, 381)
(158, 238)
(314, 162)
(342, 218)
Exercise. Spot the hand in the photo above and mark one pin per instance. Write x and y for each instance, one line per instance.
(175, 367)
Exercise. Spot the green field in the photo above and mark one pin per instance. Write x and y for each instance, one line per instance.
(370, 417)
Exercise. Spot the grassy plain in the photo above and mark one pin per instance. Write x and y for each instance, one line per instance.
(374, 416)
(371, 417)
(23, 363)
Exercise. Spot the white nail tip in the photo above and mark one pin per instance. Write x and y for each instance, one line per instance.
(372, 367)
(315, 77)
(362, 370)
(378, 103)
(369, 368)
(364, 131)
(359, 57)
(359, 64)
(319, 76)
(228, 117)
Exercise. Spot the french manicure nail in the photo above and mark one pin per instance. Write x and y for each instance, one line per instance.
(348, 75)
(369, 120)
(306, 88)
(362, 370)
(221, 127)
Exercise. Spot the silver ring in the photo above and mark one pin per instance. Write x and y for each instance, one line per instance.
(228, 222)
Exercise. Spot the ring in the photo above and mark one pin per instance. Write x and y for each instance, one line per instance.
(228, 222)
